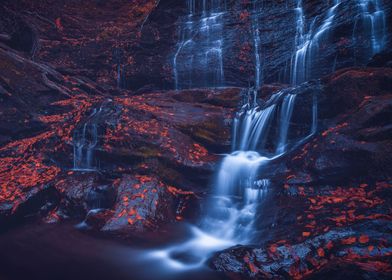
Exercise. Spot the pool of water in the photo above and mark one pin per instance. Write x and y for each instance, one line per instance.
(61, 251)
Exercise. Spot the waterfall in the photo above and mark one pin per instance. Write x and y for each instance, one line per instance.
(236, 198)
(370, 26)
(85, 140)
(240, 188)
(307, 45)
(198, 59)
(373, 28)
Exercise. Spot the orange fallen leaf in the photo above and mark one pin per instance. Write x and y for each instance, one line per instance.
(349, 240)
(273, 248)
(320, 252)
(363, 239)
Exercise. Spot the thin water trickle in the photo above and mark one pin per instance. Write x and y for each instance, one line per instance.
(256, 43)
(85, 141)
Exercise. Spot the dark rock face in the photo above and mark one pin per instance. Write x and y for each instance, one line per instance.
(383, 59)
(332, 197)
(347, 44)
(119, 45)
(90, 38)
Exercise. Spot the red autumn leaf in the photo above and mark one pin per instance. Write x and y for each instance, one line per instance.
(350, 240)
(363, 239)
(329, 245)
(320, 252)
(273, 248)
(58, 24)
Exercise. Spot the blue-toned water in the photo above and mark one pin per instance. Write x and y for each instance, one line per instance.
(307, 44)
(369, 36)
(370, 26)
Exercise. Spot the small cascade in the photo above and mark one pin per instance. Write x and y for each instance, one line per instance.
(251, 125)
(198, 60)
(238, 189)
(285, 116)
(236, 201)
(85, 140)
(237, 196)
(307, 45)
(373, 28)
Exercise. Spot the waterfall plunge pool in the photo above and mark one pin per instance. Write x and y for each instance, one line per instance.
(62, 252)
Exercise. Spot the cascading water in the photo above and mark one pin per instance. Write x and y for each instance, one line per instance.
(239, 190)
(285, 116)
(307, 45)
(85, 140)
(369, 36)
(302, 40)
(373, 28)
(198, 60)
